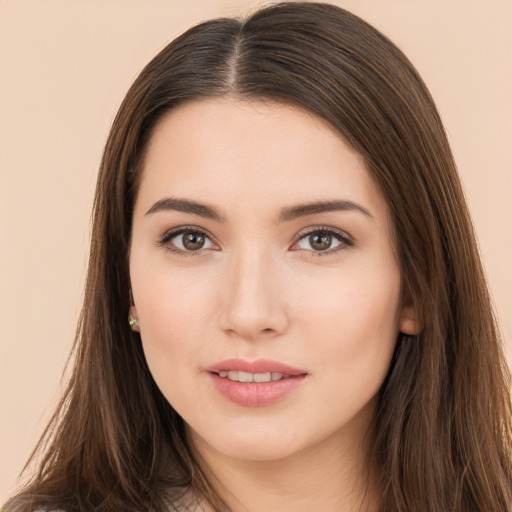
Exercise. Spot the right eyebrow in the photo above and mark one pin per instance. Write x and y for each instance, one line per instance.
(186, 206)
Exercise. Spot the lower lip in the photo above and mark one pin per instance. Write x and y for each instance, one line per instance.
(256, 394)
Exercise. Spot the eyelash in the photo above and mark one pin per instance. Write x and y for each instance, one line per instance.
(172, 233)
(342, 237)
(345, 240)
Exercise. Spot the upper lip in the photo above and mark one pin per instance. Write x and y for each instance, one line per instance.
(256, 366)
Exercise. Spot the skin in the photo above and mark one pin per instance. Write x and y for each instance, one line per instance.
(258, 288)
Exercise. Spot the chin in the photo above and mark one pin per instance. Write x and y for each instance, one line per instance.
(259, 445)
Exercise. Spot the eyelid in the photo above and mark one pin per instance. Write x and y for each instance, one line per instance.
(176, 231)
(340, 235)
(343, 237)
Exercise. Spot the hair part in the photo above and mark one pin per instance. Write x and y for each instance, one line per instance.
(442, 434)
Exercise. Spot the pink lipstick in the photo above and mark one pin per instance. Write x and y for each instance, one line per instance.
(255, 383)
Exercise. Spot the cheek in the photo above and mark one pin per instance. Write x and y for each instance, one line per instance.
(174, 314)
(355, 328)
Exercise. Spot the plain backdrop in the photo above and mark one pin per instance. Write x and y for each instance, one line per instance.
(64, 69)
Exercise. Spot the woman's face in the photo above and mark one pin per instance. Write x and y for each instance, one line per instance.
(264, 279)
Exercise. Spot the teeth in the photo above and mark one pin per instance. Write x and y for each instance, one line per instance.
(262, 377)
(243, 376)
(232, 375)
(252, 377)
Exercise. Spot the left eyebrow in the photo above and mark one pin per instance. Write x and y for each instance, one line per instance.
(303, 210)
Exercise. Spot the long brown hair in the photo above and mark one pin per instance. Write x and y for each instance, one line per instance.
(443, 424)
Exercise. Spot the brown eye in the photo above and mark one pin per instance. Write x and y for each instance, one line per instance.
(324, 241)
(193, 241)
(320, 241)
(187, 241)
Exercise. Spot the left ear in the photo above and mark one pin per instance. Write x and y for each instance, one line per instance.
(410, 321)
(133, 319)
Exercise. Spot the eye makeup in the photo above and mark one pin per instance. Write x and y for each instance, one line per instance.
(318, 240)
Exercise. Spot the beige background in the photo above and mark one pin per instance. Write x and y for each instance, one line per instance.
(64, 68)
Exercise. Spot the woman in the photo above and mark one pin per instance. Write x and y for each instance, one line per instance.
(279, 216)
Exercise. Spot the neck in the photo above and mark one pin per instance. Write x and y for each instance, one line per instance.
(330, 476)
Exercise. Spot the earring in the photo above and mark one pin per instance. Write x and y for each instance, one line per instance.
(132, 321)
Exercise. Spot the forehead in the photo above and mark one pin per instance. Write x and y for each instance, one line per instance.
(229, 151)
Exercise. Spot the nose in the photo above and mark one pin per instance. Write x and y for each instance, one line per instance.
(253, 305)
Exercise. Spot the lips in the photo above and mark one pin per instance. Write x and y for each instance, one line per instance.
(238, 376)
(257, 366)
(255, 383)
